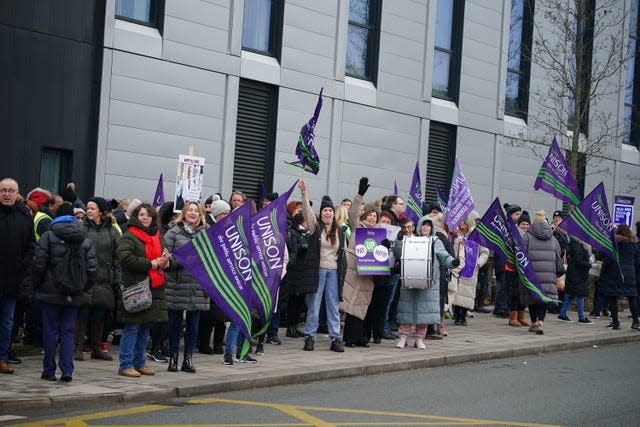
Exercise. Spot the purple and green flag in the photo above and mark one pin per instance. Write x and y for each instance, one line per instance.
(591, 222)
(220, 260)
(499, 233)
(460, 203)
(471, 252)
(308, 158)
(414, 201)
(158, 199)
(555, 176)
(442, 201)
(268, 242)
(395, 188)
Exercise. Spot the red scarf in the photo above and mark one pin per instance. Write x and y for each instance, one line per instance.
(152, 251)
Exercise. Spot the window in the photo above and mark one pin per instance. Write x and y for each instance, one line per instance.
(632, 92)
(363, 39)
(145, 12)
(55, 169)
(580, 72)
(262, 26)
(441, 157)
(447, 49)
(519, 59)
(255, 137)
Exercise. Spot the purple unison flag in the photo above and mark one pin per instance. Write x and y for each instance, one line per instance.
(414, 201)
(158, 199)
(307, 156)
(268, 242)
(220, 261)
(591, 222)
(500, 234)
(471, 250)
(395, 188)
(460, 202)
(555, 176)
(442, 201)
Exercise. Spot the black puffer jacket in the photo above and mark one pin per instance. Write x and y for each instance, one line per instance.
(578, 266)
(105, 241)
(16, 250)
(298, 247)
(50, 250)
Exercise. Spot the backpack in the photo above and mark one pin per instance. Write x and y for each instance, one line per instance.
(70, 274)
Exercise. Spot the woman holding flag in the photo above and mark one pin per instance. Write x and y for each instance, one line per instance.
(326, 275)
(542, 249)
(184, 293)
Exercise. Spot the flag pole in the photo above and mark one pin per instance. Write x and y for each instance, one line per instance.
(533, 196)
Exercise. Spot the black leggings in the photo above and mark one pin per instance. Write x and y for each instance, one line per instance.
(537, 312)
(374, 320)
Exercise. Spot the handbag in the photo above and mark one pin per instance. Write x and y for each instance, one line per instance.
(561, 272)
(137, 297)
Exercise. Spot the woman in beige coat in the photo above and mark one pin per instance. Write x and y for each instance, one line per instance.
(462, 288)
(357, 290)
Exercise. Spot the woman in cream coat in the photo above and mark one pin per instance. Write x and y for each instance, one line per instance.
(462, 290)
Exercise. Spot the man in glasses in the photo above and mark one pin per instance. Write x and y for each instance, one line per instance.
(16, 228)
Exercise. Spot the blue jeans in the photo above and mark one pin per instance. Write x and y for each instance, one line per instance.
(568, 299)
(327, 286)
(132, 344)
(58, 321)
(7, 306)
(234, 339)
(190, 331)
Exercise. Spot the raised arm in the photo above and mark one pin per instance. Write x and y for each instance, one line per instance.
(307, 212)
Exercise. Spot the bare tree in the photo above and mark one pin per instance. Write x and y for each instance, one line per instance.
(582, 47)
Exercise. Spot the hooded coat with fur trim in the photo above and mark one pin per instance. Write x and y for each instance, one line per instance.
(422, 306)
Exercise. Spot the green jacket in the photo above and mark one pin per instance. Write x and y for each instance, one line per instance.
(135, 266)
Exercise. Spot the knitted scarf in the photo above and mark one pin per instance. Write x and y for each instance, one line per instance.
(152, 251)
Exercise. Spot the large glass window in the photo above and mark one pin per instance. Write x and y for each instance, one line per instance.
(580, 71)
(363, 39)
(145, 12)
(447, 49)
(518, 60)
(262, 26)
(632, 92)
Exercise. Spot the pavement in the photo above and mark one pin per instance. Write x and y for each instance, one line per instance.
(96, 383)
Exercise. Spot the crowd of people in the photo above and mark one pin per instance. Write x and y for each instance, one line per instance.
(64, 263)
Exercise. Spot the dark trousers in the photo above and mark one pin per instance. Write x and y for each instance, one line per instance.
(158, 334)
(537, 312)
(295, 307)
(502, 295)
(483, 284)
(612, 302)
(58, 322)
(190, 331)
(353, 328)
(374, 320)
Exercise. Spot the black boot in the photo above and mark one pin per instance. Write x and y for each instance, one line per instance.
(187, 364)
(292, 332)
(173, 363)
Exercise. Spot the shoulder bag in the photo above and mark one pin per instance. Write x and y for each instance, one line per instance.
(137, 297)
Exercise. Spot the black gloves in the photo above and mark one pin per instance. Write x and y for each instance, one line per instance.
(363, 186)
(456, 262)
(386, 243)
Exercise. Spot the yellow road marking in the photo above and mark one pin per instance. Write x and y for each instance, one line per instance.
(380, 413)
(300, 412)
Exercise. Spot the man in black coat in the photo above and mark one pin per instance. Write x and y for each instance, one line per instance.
(16, 229)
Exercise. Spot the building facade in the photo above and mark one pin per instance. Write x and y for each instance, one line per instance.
(233, 81)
